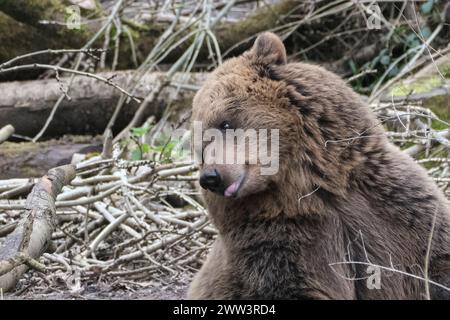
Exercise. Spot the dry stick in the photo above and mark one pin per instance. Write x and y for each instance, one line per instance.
(73, 71)
(87, 200)
(17, 205)
(147, 212)
(438, 136)
(140, 111)
(389, 269)
(6, 132)
(90, 227)
(7, 229)
(49, 51)
(193, 49)
(427, 256)
(33, 233)
(105, 47)
(186, 232)
(22, 189)
(108, 216)
(77, 65)
(105, 232)
(161, 171)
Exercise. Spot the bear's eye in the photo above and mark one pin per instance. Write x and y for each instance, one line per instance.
(225, 125)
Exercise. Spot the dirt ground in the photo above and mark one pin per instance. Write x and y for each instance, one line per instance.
(174, 290)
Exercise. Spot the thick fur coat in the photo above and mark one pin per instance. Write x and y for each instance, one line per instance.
(343, 199)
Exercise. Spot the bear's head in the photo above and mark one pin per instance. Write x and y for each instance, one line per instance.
(316, 128)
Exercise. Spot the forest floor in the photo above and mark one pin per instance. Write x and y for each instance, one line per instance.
(172, 289)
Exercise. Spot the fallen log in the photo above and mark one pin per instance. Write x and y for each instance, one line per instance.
(33, 233)
(28, 159)
(27, 104)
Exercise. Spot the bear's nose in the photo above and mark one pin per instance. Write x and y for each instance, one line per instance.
(210, 180)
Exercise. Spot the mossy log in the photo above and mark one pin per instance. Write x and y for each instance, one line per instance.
(17, 38)
(28, 159)
(21, 31)
(36, 13)
(427, 85)
(28, 14)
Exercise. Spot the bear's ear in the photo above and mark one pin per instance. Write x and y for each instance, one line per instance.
(269, 49)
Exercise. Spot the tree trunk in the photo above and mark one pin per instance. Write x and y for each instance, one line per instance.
(26, 105)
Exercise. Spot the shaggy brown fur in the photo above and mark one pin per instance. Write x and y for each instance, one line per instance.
(372, 203)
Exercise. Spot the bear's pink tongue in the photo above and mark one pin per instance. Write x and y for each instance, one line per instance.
(232, 189)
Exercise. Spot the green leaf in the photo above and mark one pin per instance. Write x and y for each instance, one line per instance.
(136, 154)
(139, 132)
(156, 148)
(353, 67)
(145, 148)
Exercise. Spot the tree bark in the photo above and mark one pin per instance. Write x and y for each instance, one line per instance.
(33, 233)
(27, 104)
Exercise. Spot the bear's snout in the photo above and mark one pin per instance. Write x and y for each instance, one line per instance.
(211, 180)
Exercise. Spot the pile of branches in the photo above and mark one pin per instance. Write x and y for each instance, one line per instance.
(421, 134)
(120, 220)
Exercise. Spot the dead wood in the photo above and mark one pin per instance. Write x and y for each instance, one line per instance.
(33, 232)
(27, 104)
(27, 159)
(6, 132)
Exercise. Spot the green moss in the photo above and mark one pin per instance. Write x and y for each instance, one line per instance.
(445, 70)
(17, 38)
(31, 12)
(406, 145)
(424, 84)
(440, 105)
(419, 86)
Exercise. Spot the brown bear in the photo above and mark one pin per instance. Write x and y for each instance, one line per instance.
(347, 215)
